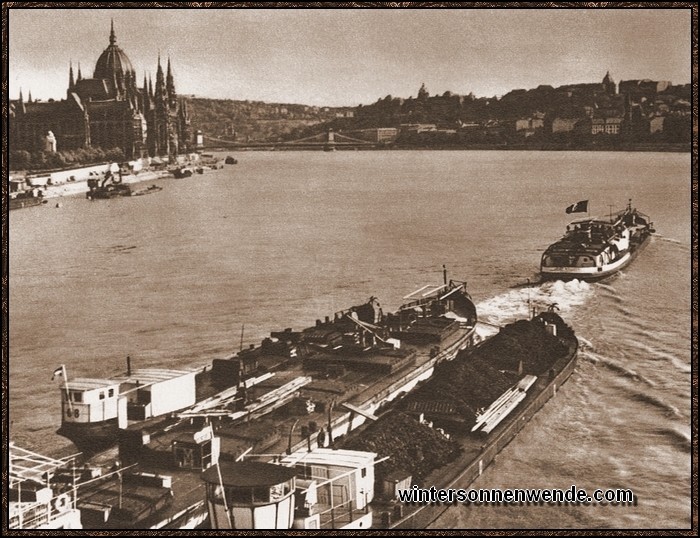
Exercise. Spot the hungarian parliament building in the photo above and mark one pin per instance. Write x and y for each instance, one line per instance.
(107, 111)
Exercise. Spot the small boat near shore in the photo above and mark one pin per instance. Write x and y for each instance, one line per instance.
(183, 171)
(148, 190)
(595, 248)
(26, 199)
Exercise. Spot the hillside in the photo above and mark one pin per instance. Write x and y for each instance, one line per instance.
(582, 116)
(251, 121)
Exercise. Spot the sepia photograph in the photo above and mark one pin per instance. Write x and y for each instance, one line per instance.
(385, 266)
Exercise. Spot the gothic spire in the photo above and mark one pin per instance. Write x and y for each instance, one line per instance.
(170, 73)
(29, 97)
(170, 86)
(160, 83)
(112, 37)
(145, 96)
(80, 75)
(71, 80)
(21, 97)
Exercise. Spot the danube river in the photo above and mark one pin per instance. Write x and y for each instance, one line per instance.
(284, 238)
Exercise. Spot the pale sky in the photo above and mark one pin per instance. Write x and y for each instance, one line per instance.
(347, 57)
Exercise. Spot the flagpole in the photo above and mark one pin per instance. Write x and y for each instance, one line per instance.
(65, 387)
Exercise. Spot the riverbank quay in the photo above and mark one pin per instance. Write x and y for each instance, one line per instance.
(81, 187)
(72, 181)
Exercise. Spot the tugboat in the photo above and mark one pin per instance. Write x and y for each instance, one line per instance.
(594, 248)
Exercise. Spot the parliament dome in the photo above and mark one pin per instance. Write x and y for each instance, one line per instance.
(113, 62)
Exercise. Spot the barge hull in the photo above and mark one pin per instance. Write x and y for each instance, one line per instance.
(90, 437)
(471, 468)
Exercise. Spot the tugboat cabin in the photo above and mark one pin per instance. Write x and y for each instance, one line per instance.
(87, 400)
(343, 482)
(152, 392)
(250, 495)
(590, 242)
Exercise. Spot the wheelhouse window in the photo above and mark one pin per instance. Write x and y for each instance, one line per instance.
(261, 495)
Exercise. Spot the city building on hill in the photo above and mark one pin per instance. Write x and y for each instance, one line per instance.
(380, 134)
(656, 124)
(529, 124)
(644, 87)
(107, 111)
(564, 125)
(609, 84)
(595, 89)
(606, 125)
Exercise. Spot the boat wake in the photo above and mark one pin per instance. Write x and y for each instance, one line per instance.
(655, 355)
(484, 331)
(668, 239)
(608, 287)
(681, 440)
(585, 344)
(614, 366)
(516, 303)
(122, 248)
(655, 401)
(609, 292)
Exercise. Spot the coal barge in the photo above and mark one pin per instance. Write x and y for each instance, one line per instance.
(533, 358)
(320, 428)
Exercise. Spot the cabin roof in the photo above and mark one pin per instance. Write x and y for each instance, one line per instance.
(151, 375)
(248, 474)
(27, 465)
(86, 383)
(355, 459)
(592, 220)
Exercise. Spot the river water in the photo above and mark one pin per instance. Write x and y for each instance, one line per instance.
(284, 238)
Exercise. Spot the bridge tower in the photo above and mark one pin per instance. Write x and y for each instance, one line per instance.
(330, 142)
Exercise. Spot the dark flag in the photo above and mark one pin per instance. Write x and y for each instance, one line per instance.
(59, 371)
(578, 207)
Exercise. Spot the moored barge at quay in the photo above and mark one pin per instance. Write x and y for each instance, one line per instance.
(285, 434)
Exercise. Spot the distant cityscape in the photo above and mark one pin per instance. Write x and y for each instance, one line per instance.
(110, 117)
(575, 114)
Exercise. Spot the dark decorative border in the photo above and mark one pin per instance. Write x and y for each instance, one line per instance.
(6, 6)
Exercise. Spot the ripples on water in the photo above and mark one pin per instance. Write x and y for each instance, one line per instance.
(284, 238)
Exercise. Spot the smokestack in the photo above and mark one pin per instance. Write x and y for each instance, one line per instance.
(444, 275)
(128, 365)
